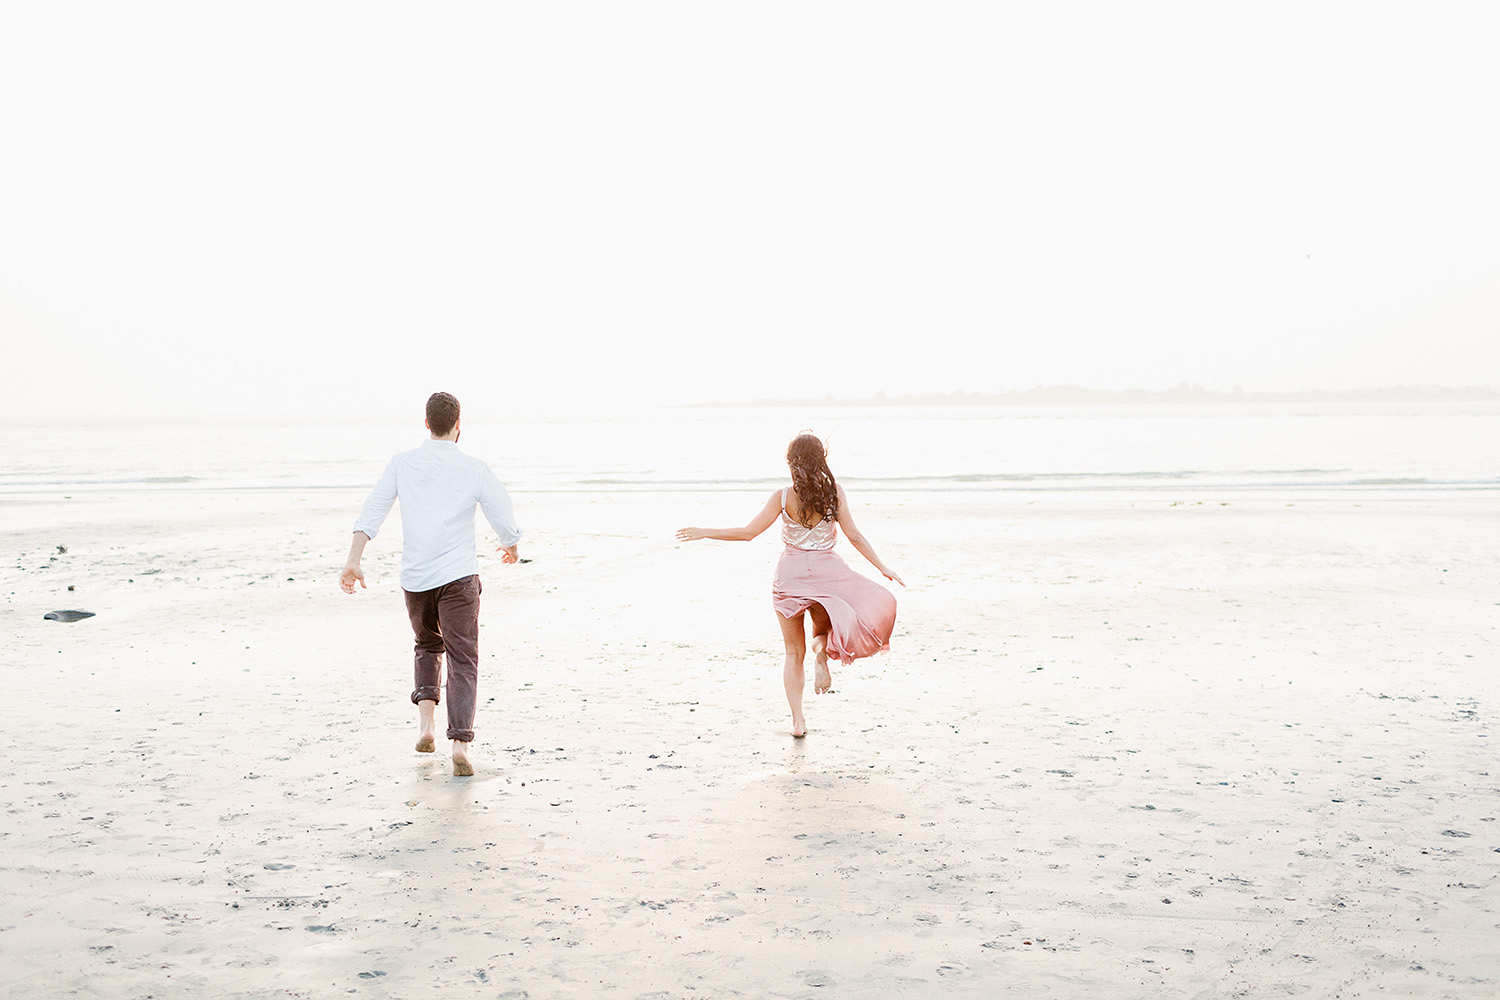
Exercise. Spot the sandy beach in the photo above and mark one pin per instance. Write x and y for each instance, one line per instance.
(1155, 345)
(1123, 745)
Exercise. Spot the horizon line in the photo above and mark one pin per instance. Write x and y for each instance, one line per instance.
(1183, 392)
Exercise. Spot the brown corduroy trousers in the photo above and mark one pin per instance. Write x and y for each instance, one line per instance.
(445, 620)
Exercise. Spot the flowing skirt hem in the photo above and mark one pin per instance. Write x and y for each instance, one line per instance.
(861, 613)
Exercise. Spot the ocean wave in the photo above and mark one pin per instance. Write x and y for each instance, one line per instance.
(563, 481)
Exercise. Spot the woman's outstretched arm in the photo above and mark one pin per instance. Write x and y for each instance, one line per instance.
(757, 524)
(858, 540)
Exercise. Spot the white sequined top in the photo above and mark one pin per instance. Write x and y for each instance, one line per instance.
(819, 538)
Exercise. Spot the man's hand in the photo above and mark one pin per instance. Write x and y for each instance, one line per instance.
(351, 573)
(510, 556)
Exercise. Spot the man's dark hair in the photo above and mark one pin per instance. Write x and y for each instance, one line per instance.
(442, 413)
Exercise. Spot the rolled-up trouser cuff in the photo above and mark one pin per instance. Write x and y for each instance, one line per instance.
(445, 627)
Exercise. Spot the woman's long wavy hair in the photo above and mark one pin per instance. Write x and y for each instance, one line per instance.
(812, 479)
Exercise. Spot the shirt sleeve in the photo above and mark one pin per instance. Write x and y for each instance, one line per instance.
(495, 502)
(378, 503)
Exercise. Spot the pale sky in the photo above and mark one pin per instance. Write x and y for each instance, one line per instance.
(340, 207)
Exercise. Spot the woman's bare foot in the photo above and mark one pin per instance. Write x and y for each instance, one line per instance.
(461, 766)
(822, 679)
(799, 728)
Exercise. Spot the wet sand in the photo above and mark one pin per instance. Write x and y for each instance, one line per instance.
(1136, 746)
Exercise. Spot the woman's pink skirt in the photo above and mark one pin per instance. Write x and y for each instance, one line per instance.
(863, 612)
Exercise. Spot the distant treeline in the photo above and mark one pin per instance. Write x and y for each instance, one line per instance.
(1182, 393)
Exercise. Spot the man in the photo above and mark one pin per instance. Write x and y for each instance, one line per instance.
(439, 487)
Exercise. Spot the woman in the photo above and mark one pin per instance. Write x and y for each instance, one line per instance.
(852, 615)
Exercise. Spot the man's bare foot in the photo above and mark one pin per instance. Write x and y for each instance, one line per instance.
(426, 709)
(461, 766)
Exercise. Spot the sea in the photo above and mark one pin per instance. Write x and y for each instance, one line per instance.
(1435, 446)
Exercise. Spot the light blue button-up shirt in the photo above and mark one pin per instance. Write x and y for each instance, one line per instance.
(439, 487)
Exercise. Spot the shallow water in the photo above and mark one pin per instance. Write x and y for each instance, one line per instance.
(1358, 445)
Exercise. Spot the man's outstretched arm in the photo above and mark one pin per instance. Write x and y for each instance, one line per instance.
(494, 500)
(377, 505)
(352, 571)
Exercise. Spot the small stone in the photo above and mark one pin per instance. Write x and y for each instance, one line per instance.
(68, 616)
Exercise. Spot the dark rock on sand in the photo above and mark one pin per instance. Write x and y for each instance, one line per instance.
(68, 616)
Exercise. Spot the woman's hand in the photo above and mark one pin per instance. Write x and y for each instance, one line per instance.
(890, 574)
(759, 523)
